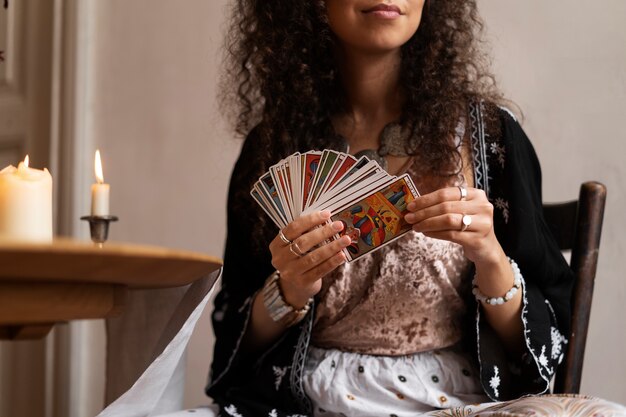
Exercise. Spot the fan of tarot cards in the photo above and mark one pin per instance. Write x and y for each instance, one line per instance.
(358, 192)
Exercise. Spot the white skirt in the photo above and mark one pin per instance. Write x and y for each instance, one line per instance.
(351, 384)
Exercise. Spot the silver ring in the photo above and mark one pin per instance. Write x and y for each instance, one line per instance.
(463, 191)
(295, 249)
(466, 221)
(284, 238)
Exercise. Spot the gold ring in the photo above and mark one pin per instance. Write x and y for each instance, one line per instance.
(466, 221)
(284, 238)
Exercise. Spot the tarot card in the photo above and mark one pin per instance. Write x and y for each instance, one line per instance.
(361, 163)
(364, 176)
(294, 175)
(370, 202)
(331, 173)
(327, 171)
(266, 206)
(311, 162)
(377, 219)
(281, 187)
(356, 191)
(326, 163)
(268, 190)
(315, 178)
(340, 170)
(285, 173)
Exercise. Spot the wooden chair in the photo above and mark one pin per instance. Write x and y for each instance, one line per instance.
(577, 226)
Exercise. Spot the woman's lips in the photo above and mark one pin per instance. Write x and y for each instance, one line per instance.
(384, 11)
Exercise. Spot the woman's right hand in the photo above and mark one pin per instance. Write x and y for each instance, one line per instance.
(301, 276)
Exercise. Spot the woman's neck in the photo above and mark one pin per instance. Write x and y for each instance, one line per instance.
(371, 82)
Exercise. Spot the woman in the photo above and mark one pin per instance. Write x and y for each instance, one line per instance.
(403, 330)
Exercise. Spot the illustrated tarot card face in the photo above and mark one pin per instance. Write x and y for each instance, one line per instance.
(312, 161)
(340, 171)
(266, 206)
(354, 192)
(278, 176)
(331, 173)
(377, 219)
(326, 164)
(270, 191)
(285, 176)
(358, 179)
(294, 174)
(352, 170)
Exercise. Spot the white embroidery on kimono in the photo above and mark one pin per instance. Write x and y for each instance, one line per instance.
(499, 151)
(558, 340)
(543, 360)
(494, 382)
(279, 373)
(232, 410)
(529, 345)
(502, 204)
(273, 413)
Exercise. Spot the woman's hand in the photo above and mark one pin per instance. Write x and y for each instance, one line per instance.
(301, 266)
(440, 215)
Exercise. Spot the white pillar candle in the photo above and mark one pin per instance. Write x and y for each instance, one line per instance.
(25, 203)
(99, 191)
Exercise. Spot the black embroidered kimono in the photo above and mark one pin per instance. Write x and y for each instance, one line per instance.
(507, 169)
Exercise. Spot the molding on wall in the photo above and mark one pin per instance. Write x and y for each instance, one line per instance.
(14, 39)
(72, 140)
(77, 352)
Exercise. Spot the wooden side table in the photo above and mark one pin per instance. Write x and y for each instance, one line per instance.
(45, 284)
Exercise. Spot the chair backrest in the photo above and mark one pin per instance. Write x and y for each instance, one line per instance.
(577, 226)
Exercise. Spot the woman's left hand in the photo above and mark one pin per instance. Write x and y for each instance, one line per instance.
(440, 215)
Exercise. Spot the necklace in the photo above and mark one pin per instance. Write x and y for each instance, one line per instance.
(394, 141)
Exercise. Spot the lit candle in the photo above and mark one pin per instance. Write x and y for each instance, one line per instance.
(25, 203)
(99, 191)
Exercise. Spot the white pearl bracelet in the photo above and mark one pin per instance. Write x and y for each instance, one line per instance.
(517, 284)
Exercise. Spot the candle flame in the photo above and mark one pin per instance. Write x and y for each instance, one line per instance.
(26, 161)
(98, 167)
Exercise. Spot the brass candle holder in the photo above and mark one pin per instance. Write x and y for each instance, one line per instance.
(99, 227)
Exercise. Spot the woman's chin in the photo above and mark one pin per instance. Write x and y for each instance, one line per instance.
(378, 46)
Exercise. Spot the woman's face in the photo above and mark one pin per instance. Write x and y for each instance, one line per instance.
(374, 26)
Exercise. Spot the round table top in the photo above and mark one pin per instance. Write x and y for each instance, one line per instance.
(136, 266)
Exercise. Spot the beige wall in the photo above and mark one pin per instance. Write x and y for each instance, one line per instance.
(168, 156)
(564, 63)
(166, 153)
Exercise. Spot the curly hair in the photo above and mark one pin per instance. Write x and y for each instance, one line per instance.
(281, 60)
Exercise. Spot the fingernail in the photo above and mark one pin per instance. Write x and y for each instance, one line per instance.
(409, 217)
(337, 226)
(411, 205)
(325, 214)
(345, 241)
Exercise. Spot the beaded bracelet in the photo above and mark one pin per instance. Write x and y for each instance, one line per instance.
(517, 284)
